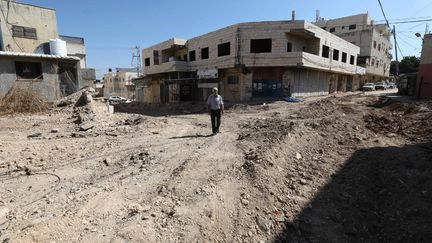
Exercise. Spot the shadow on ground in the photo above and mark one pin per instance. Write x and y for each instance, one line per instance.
(381, 195)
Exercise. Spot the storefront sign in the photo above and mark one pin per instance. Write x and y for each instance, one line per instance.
(208, 73)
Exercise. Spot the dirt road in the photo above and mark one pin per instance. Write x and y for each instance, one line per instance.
(277, 172)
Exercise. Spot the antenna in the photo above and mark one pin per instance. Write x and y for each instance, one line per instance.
(317, 15)
(136, 58)
(427, 29)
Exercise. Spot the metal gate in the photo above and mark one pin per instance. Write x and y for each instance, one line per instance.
(267, 88)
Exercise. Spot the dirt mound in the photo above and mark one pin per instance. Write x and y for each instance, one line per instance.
(22, 100)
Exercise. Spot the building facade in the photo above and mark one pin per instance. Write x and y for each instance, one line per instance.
(249, 60)
(120, 83)
(424, 76)
(25, 55)
(374, 42)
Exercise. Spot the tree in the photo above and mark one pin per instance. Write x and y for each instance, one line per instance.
(407, 65)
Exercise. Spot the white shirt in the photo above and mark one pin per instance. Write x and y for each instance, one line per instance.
(215, 102)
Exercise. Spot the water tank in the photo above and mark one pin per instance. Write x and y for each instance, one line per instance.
(58, 47)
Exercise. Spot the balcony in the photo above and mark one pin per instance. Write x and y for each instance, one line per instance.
(166, 67)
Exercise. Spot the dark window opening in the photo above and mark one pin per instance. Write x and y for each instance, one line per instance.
(24, 32)
(352, 60)
(374, 44)
(344, 57)
(352, 27)
(261, 45)
(185, 57)
(224, 49)
(304, 48)
(156, 57)
(147, 62)
(336, 55)
(343, 27)
(192, 56)
(325, 51)
(332, 30)
(289, 47)
(28, 70)
(205, 53)
(233, 79)
(379, 47)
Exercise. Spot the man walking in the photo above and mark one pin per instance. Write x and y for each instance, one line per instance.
(216, 109)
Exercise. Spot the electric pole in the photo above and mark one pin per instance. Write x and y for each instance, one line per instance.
(396, 52)
(136, 58)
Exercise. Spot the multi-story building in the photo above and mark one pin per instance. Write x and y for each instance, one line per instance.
(249, 60)
(424, 76)
(374, 41)
(120, 83)
(26, 58)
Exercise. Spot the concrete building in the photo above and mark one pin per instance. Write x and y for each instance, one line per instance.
(424, 76)
(120, 83)
(76, 47)
(374, 42)
(247, 61)
(25, 55)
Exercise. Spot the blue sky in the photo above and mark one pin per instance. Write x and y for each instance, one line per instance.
(111, 28)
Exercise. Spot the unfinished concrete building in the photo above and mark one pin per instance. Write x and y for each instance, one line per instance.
(120, 83)
(424, 76)
(247, 61)
(374, 41)
(26, 58)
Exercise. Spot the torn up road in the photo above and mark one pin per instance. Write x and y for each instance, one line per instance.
(338, 169)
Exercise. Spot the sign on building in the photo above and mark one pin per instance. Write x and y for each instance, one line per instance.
(208, 73)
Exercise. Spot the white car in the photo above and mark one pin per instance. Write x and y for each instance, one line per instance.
(368, 87)
(116, 100)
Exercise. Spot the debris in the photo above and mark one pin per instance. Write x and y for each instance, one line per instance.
(35, 135)
(86, 127)
(298, 156)
(263, 224)
(55, 130)
(107, 161)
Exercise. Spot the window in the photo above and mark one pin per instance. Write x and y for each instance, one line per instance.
(335, 55)
(325, 51)
(261, 45)
(28, 70)
(224, 49)
(205, 53)
(374, 44)
(332, 30)
(343, 27)
(352, 27)
(352, 60)
(379, 47)
(24, 32)
(192, 56)
(344, 57)
(147, 62)
(185, 57)
(233, 79)
(156, 57)
(289, 47)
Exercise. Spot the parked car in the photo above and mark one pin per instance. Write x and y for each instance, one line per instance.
(116, 99)
(380, 85)
(368, 87)
(392, 85)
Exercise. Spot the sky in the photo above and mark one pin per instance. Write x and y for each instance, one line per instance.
(111, 28)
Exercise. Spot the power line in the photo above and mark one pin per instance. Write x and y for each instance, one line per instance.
(382, 10)
(397, 44)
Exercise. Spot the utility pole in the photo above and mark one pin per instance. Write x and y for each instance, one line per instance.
(136, 55)
(396, 52)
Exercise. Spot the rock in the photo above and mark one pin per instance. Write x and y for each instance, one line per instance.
(146, 208)
(55, 130)
(263, 224)
(4, 213)
(303, 181)
(35, 135)
(86, 127)
(107, 161)
(245, 202)
(134, 208)
(391, 135)
(298, 156)
(78, 135)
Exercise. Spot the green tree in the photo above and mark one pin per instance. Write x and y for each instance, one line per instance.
(407, 65)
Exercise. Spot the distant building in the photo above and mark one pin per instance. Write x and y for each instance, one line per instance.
(247, 61)
(424, 76)
(120, 83)
(374, 42)
(26, 58)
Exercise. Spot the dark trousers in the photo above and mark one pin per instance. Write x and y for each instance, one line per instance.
(215, 120)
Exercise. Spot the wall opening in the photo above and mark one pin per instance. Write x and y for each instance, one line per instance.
(192, 56)
(289, 47)
(260, 45)
(24, 32)
(147, 62)
(325, 51)
(28, 70)
(156, 57)
(352, 27)
(332, 30)
(335, 55)
(205, 53)
(352, 60)
(344, 57)
(224, 49)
